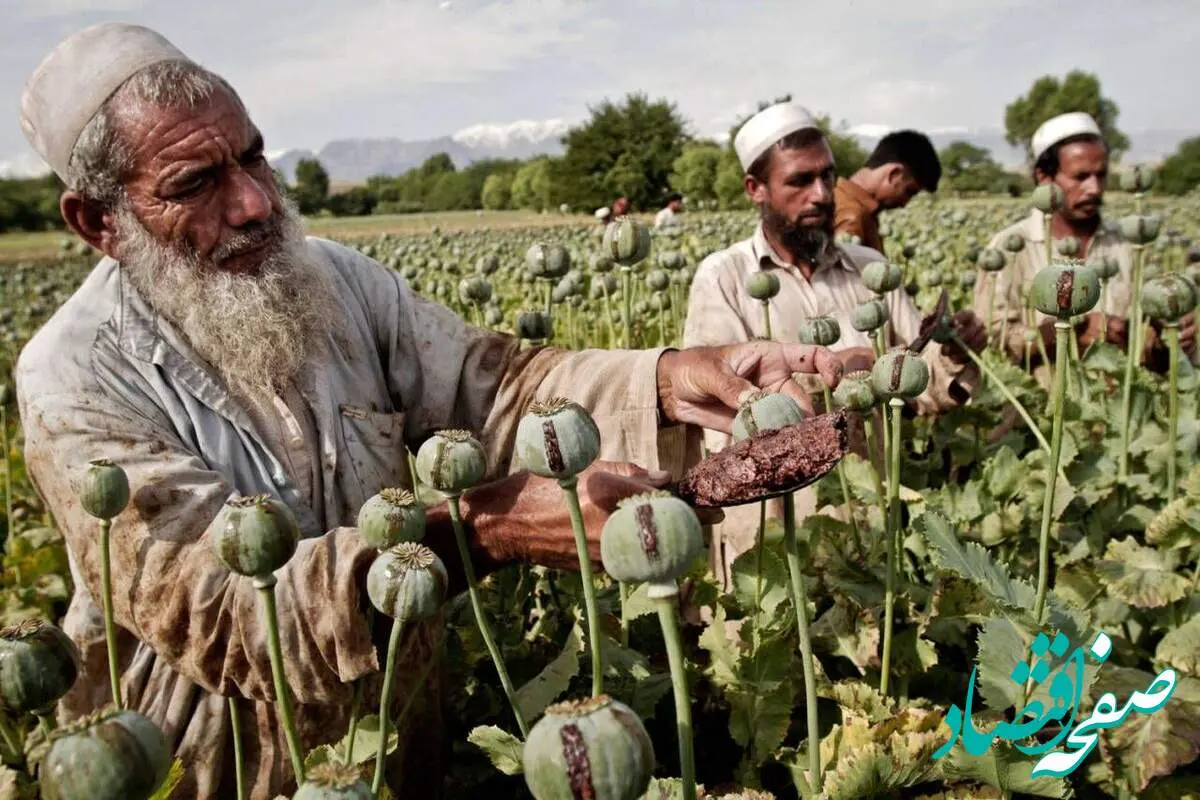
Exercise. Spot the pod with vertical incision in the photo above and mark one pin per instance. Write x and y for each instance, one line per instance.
(1065, 290)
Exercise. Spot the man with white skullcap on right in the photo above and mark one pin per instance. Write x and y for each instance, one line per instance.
(1068, 150)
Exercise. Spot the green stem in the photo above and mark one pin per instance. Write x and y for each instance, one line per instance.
(842, 478)
(612, 329)
(110, 626)
(589, 590)
(12, 741)
(355, 709)
(893, 525)
(1104, 310)
(385, 702)
(662, 323)
(766, 310)
(239, 759)
(423, 676)
(992, 301)
(8, 505)
(1132, 357)
(800, 601)
(1171, 331)
(485, 628)
(878, 463)
(1008, 395)
(627, 294)
(266, 590)
(760, 551)
(668, 618)
(1062, 331)
(879, 342)
(624, 592)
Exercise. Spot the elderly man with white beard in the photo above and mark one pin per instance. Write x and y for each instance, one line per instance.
(215, 351)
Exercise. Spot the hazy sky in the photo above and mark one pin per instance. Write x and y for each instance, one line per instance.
(315, 71)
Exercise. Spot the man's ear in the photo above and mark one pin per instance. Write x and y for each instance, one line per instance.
(755, 190)
(89, 222)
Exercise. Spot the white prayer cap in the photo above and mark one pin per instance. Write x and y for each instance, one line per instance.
(1064, 126)
(762, 131)
(73, 81)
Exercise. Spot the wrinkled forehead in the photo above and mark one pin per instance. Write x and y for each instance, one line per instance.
(213, 130)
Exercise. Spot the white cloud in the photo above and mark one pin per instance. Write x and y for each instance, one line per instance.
(24, 165)
(503, 134)
(870, 130)
(31, 10)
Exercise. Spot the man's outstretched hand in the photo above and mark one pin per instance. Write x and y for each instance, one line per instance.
(704, 386)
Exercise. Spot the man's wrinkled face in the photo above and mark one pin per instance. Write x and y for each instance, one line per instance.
(796, 201)
(1082, 173)
(201, 184)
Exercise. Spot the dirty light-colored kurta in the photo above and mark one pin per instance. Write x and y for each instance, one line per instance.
(855, 213)
(106, 378)
(720, 311)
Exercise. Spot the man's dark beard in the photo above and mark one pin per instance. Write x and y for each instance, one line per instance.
(804, 242)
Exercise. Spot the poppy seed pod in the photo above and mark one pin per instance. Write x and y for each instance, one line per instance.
(475, 290)
(967, 279)
(1105, 267)
(600, 263)
(869, 316)
(111, 755)
(254, 535)
(1067, 246)
(900, 374)
(334, 781)
(104, 492)
(557, 438)
(762, 285)
(992, 260)
(821, 331)
(1168, 298)
(1014, 243)
(407, 582)
(909, 250)
(856, 392)
(38, 665)
(493, 317)
(765, 411)
(486, 265)
(658, 280)
(881, 277)
(532, 324)
(547, 261)
(651, 538)
(672, 260)
(1139, 228)
(595, 748)
(1048, 198)
(451, 461)
(391, 517)
(1137, 180)
(936, 256)
(1065, 289)
(627, 241)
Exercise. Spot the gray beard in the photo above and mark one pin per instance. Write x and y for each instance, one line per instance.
(257, 331)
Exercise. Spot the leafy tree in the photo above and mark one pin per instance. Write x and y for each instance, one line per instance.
(1048, 97)
(354, 202)
(729, 186)
(970, 168)
(621, 149)
(1180, 173)
(531, 185)
(694, 173)
(30, 204)
(312, 185)
(497, 191)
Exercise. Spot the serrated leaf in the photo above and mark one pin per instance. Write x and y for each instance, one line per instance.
(1181, 648)
(913, 654)
(366, 741)
(647, 692)
(851, 633)
(1003, 473)
(553, 680)
(861, 698)
(1148, 746)
(323, 754)
(763, 717)
(723, 659)
(774, 576)
(1002, 767)
(502, 748)
(973, 562)
(858, 476)
(638, 603)
(1142, 576)
(1183, 787)
(1176, 526)
(1003, 645)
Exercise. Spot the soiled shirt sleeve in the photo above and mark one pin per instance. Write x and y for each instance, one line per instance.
(169, 588)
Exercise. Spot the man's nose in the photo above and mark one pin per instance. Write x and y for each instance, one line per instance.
(249, 201)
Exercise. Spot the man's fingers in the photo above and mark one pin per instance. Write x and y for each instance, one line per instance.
(795, 391)
(811, 360)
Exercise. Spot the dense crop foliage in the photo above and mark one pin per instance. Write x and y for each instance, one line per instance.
(940, 559)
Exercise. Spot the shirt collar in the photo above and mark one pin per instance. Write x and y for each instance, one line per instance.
(858, 194)
(765, 255)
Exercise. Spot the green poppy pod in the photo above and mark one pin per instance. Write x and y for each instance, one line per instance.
(104, 492)
(627, 241)
(254, 535)
(1068, 246)
(547, 261)
(532, 324)
(881, 277)
(1014, 243)
(765, 411)
(934, 278)
(451, 461)
(992, 260)
(660, 301)
(1048, 198)
(334, 780)
(672, 260)
(820, 331)
(641, 308)
(557, 438)
(486, 265)
(1065, 289)
(563, 290)
(936, 256)
(885, 230)
(601, 263)
(651, 538)
(1137, 180)
(475, 290)
(391, 517)
(869, 316)
(1105, 267)
(1168, 298)
(762, 285)
(111, 755)
(493, 317)
(596, 749)
(407, 582)
(966, 279)
(899, 374)
(38, 665)
(658, 280)
(856, 392)
(1139, 229)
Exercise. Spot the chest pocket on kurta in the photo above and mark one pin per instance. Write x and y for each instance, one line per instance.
(375, 451)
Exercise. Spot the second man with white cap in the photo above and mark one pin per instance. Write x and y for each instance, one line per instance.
(789, 176)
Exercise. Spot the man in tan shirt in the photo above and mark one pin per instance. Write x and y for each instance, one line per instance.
(902, 164)
(789, 176)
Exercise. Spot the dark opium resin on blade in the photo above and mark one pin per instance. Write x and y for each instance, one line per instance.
(768, 464)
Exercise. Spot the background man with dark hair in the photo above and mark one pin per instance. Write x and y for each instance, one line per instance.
(666, 215)
(902, 164)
